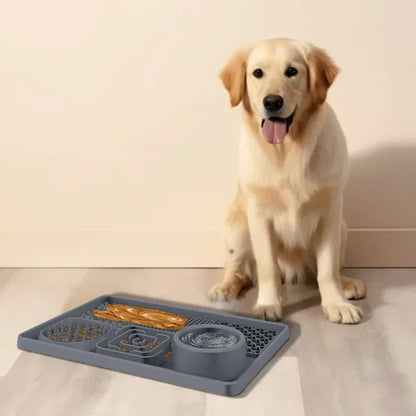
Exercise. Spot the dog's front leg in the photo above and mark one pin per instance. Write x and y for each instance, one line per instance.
(334, 303)
(269, 300)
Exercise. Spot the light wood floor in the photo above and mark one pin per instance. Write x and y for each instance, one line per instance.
(325, 369)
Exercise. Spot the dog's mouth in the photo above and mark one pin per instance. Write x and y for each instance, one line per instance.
(274, 129)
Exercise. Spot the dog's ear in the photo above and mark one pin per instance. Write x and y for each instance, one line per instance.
(233, 76)
(322, 72)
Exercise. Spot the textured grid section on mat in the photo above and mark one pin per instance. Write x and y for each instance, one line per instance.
(256, 339)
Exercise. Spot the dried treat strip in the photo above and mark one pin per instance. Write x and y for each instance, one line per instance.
(143, 316)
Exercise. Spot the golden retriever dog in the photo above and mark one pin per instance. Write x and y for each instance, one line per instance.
(286, 220)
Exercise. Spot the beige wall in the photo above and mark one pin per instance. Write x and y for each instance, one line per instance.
(117, 143)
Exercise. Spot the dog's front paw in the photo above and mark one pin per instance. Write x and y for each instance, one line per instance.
(343, 313)
(269, 312)
(224, 291)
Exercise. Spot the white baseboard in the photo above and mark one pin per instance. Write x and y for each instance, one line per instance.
(183, 248)
(381, 247)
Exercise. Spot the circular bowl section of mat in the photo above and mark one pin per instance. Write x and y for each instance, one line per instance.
(213, 351)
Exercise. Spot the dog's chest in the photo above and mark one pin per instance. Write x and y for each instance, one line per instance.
(281, 187)
(295, 213)
(295, 227)
(291, 200)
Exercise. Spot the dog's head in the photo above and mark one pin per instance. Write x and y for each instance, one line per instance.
(278, 81)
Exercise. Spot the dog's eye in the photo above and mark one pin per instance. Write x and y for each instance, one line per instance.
(258, 73)
(291, 72)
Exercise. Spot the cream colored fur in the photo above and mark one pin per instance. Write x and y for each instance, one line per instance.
(286, 219)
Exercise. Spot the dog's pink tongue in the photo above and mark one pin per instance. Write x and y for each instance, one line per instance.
(274, 131)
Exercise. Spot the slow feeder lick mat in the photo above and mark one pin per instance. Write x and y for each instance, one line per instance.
(136, 336)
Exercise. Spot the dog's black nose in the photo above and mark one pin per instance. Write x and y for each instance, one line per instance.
(273, 102)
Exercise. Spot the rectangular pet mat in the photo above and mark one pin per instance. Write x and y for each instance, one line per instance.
(146, 351)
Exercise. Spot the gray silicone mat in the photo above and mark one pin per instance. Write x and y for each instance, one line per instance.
(99, 342)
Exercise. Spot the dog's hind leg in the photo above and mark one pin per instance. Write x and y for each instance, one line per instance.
(239, 270)
(344, 233)
(353, 288)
